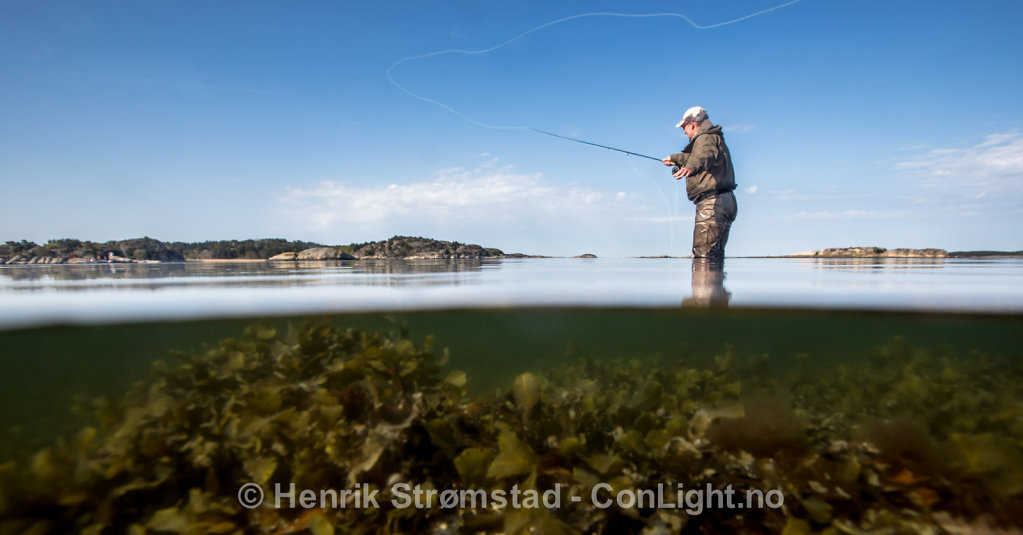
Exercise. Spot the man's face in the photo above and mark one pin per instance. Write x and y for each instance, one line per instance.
(690, 129)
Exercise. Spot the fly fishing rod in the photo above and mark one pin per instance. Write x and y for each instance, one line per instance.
(597, 145)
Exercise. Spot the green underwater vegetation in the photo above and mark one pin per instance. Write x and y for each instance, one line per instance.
(904, 440)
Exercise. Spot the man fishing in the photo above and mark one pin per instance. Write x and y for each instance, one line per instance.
(707, 167)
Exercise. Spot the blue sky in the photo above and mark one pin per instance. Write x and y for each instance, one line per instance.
(896, 124)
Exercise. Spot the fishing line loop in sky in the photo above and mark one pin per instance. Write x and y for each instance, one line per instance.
(673, 211)
(535, 29)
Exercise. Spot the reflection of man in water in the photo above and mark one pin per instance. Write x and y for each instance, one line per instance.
(708, 285)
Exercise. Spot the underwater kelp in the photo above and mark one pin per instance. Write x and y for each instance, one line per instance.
(903, 441)
(319, 407)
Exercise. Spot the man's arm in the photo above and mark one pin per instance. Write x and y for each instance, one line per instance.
(674, 159)
(677, 160)
(705, 154)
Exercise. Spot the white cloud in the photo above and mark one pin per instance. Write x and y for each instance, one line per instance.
(486, 196)
(737, 128)
(996, 139)
(751, 190)
(996, 164)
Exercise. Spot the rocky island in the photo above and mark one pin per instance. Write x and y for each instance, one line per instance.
(147, 249)
(871, 252)
(881, 252)
(399, 247)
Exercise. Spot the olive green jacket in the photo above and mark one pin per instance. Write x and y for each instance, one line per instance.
(707, 157)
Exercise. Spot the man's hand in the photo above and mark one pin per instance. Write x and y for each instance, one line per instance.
(681, 173)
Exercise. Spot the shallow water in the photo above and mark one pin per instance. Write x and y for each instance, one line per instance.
(45, 370)
(34, 295)
(77, 333)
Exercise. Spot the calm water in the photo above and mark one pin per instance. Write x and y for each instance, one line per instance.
(35, 295)
(71, 334)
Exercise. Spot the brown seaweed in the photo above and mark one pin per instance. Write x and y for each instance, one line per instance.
(907, 441)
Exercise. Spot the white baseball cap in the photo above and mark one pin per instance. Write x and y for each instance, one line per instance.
(696, 114)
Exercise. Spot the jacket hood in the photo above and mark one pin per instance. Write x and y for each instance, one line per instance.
(716, 129)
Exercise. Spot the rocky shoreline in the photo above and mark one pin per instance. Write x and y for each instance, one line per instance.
(870, 252)
(154, 251)
(148, 251)
(400, 248)
(45, 260)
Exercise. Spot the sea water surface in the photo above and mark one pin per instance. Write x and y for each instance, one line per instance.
(104, 293)
(927, 352)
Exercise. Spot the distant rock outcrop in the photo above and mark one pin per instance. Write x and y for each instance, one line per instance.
(324, 253)
(151, 250)
(398, 247)
(872, 252)
(986, 254)
(916, 253)
(409, 248)
(77, 252)
(851, 251)
(73, 251)
(316, 253)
